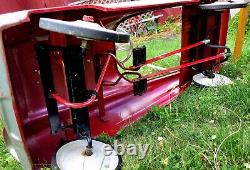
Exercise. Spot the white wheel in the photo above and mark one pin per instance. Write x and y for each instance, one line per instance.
(218, 80)
(71, 157)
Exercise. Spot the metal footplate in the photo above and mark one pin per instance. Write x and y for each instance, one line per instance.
(231, 4)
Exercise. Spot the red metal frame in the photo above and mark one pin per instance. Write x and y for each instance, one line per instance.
(117, 107)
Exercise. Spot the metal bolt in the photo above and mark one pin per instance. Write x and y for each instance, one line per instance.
(37, 71)
(84, 44)
(87, 152)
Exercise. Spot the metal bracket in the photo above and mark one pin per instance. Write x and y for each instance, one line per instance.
(139, 56)
(208, 73)
(74, 70)
(227, 54)
(140, 87)
(43, 58)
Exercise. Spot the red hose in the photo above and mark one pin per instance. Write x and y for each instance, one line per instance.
(73, 105)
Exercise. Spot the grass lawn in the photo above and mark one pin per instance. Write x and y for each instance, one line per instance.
(203, 129)
(156, 47)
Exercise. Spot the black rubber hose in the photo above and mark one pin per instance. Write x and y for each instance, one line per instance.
(228, 51)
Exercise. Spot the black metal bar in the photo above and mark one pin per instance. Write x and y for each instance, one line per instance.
(48, 86)
(140, 87)
(227, 54)
(139, 56)
(74, 70)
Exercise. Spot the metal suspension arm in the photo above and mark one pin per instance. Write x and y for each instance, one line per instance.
(160, 57)
(152, 60)
(175, 68)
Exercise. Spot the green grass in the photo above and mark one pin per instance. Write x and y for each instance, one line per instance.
(203, 129)
(7, 162)
(156, 47)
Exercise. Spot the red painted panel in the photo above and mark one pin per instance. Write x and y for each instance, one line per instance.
(19, 5)
(11, 6)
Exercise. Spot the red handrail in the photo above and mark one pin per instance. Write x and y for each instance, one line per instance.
(73, 105)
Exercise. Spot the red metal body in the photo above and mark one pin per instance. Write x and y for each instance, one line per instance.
(117, 107)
